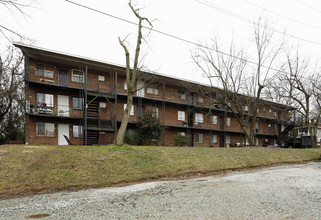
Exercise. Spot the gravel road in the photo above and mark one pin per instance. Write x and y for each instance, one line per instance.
(283, 192)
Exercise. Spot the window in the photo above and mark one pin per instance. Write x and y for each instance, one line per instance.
(125, 85)
(269, 125)
(77, 103)
(155, 111)
(274, 127)
(213, 139)
(181, 133)
(270, 110)
(181, 94)
(213, 119)
(228, 121)
(257, 142)
(199, 138)
(45, 129)
(152, 91)
(199, 118)
(274, 113)
(132, 111)
(257, 126)
(45, 99)
(228, 139)
(77, 131)
(77, 76)
(181, 116)
(200, 99)
(40, 69)
(102, 105)
(101, 78)
(258, 110)
(246, 108)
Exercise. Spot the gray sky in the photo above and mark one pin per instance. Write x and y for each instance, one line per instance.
(62, 26)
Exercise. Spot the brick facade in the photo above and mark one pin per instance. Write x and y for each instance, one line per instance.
(178, 109)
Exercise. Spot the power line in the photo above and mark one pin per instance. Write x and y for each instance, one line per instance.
(309, 6)
(282, 16)
(211, 5)
(177, 38)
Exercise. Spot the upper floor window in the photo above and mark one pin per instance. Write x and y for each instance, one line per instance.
(155, 111)
(45, 100)
(132, 111)
(45, 129)
(274, 113)
(228, 121)
(41, 71)
(77, 131)
(125, 85)
(246, 108)
(199, 138)
(77, 76)
(152, 91)
(181, 94)
(199, 118)
(101, 78)
(213, 119)
(181, 133)
(200, 99)
(77, 103)
(181, 116)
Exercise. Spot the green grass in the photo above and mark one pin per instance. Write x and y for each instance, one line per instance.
(34, 169)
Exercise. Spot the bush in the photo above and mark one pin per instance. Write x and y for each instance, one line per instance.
(181, 140)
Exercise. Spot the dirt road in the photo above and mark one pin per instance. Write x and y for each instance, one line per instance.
(284, 192)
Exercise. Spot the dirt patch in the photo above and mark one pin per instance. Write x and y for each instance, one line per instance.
(37, 216)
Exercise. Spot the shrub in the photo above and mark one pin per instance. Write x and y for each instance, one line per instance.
(181, 140)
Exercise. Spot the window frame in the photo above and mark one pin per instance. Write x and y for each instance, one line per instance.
(80, 131)
(46, 127)
(46, 95)
(214, 140)
(228, 122)
(198, 116)
(212, 121)
(132, 111)
(182, 94)
(178, 115)
(152, 91)
(199, 138)
(73, 102)
(74, 75)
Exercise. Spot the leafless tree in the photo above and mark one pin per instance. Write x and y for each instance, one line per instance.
(234, 82)
(132, 74)
(14, 7)
(301, 85)
(11, 93)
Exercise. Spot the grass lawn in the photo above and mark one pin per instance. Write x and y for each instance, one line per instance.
(35, 169)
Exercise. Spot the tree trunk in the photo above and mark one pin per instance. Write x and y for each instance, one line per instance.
(122, 130)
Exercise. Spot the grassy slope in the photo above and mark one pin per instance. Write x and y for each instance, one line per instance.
(33, 169)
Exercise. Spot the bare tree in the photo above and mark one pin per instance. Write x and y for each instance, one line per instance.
(14, 7)
(302, 88)
(235, 84)
(11, 90)
(132, 75)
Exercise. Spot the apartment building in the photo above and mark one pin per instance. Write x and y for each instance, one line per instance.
(76, 98)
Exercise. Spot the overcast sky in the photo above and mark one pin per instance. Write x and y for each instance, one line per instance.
(62, 26)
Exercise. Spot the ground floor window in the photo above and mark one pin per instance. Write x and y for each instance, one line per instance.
(77, 131)
(199, 138)
(228, 139)
(45, 129)
(214, 139)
